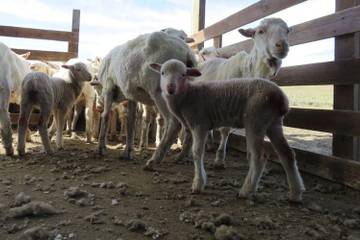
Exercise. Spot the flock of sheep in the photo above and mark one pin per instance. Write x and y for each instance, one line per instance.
(158, 73)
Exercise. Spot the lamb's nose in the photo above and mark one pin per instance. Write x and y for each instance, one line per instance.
(171, 89)
(280, 44)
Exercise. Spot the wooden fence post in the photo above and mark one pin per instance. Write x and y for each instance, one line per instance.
(346, 96)
(217, 42)
(198, 18)
(73, 46)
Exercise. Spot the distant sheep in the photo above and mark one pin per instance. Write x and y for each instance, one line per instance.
(124, 74)
(256, 104)
(45, 67)
(56, 95)
(13, 69)
(264, 60)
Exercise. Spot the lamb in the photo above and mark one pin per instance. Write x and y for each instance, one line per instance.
(13, 69)
(256, 104)
(45, 67)
(270, 47)
(124, 75)
(57, 94)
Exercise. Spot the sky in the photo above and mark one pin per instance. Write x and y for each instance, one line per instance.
(105, 24)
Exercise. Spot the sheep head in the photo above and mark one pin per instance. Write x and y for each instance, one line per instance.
(174, 76)
(270, 37)
(79, 70)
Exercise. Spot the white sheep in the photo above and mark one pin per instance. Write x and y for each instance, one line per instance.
(45, 67)
(124, 75)
(206, 54)
(178, 33)
(256, 104)
(56, 95)
(13, 69)
(270, 47)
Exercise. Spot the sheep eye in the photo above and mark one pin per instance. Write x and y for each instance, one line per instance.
(261, 31)
(183, 74)
(162, 73)
(288, 31)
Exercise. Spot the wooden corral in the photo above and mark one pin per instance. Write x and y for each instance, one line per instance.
(71, 37)
(344, 73)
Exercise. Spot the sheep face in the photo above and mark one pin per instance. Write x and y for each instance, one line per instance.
(174, 76)
(270, 37)
(79, 71)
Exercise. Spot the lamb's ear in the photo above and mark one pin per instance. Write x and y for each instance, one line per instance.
(193, 72)
(70, 67)
(189, 40)
(250, 32)
(25, 55)
(155, 67)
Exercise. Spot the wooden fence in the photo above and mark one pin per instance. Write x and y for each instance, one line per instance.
(344, 73)
(71, 37)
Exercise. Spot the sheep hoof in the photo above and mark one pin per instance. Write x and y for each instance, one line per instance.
(149, 168)
(9, 151)
(49, 152)
(102, 151)
(295, 197)
(245, 195)
(219, 165)
(21, 152)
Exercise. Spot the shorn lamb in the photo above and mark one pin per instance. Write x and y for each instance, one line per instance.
(256, 104)
(264, 60)
(13, 69)
(55, 95)
(124, 74)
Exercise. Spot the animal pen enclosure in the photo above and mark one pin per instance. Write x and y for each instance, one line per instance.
(71, 37)
(344, 73)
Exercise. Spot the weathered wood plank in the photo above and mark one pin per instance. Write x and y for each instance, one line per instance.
(332, 121)
(247, 15)
(19, 32)
(73, 45)
(342, 72)
(46, 55)
(337, 24)
(333, 168)
(198, 19)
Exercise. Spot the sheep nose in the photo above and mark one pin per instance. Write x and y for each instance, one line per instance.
(171, 89)
(280, 44)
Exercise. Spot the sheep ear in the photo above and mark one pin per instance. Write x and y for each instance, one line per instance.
(250, 32)
(25, 55)
(155, 67)
(189, 40)
(70, 67)
(193, 72)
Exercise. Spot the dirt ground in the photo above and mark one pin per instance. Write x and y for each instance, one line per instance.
(109, 198)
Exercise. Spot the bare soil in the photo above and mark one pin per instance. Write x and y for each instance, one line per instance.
(110, 198)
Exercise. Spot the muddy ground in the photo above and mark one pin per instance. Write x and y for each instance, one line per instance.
(109, 198)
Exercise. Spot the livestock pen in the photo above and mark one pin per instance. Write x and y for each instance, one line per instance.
(78, 194)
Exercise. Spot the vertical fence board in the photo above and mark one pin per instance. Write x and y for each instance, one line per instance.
(198, 18)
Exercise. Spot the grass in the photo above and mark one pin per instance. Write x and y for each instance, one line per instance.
(310, 96)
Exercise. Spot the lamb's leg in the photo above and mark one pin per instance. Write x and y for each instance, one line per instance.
(145, 126)
(28, 135)
(96, 124)
(171, 129)
(257, 161)
(60, 116)
(25, 111)
(198, 149)
(108, 100)
(76, 114)
(287, 158)
(112, 126)
(42, 126)
(159, 129)
(89, 115)
(5, 123)
(68, 121)
(221, 151)
(52, 128)
(186, 146)
(131, 117)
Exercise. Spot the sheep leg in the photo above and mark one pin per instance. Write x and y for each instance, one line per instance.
(89, 115)
(5, 123)
(171, 129)
(186, 146)
(159, 129)
(52, 128)
(108, 100)
(221, 151)
(112, 126)
(60, 116)
(42, 126)
(131, 116)
(254, 142)
(287, 158)
(69, 121)
(25, 111)
(123, 130)
(76, 114)
(145, 126)
(198, 149)
(96, 124)
(28, 135)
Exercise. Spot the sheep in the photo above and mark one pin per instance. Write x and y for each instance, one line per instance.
(178, 33)
(13, 69)
(256, 104)
(125, 75)
(270, 47)
(45, 67)
(206, 54)
(56, 95)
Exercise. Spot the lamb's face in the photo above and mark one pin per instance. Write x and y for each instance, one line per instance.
(270, 37)
(80, 71)
(174, 76)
